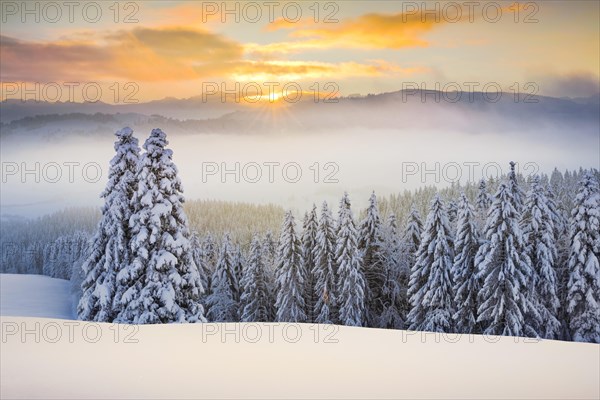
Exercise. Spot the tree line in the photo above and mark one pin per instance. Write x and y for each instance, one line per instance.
(512, 263)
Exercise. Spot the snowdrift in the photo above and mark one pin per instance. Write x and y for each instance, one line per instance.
(62, 358)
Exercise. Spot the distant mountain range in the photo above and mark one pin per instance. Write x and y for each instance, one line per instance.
(468, 112)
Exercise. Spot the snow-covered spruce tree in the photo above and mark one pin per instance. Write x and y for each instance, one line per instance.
(517, 193)
(504, 270)
(210, 253)
(540, 245)
(269, 247)
(430, 286)
(370, 243)
(452, 215)
(324, 272)
(309, 240)
(411, 241)
(352, 286)
(412, 233)
(239, 264)
(482, 203)
(290, 275)
(110, 251)
(163, 282)
(395, 302)
(561, 235)
(199, 260)
(464, 273)
(258, 306)
(223, 302)
(269, 255)
(584, 282)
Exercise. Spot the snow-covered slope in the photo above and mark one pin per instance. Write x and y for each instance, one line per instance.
(54, 358)
(35, 296)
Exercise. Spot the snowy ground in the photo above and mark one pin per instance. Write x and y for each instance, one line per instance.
(60, 358)
(35, 296)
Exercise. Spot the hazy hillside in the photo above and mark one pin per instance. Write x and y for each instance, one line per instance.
(402, 110)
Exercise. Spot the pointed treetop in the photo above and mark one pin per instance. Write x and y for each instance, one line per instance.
(124, 133)
(157, 138)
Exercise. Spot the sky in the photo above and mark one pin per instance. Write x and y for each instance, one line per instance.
(156, 49)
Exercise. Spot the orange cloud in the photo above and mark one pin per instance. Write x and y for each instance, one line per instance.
(166, 54)
(369, 31)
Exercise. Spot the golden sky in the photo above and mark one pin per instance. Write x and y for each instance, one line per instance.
(172, 49)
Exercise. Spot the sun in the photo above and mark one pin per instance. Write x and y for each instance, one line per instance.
(274, 96)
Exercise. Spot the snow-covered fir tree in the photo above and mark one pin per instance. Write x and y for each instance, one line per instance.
(370, 243)
(269, 255)
(540, 245)
(411, 241)
(464, 272)
(163, 282)
(325, 271)
(561, 235)
(200, 261)
(210, 255)
(395, 302)
(239, 264)
(223, 302)
(352, 286)
(452, 215)
(110, 251)
(269, 252)
(210, 252)
(517, 193)
(504, 270)
(269, 249)
(430, 286)
(482, 203)
(583, 296)
(309, 239)
(256, 298)
(412, 233)
(290, 275)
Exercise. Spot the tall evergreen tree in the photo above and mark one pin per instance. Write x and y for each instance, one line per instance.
(351, 279)
(561, 235)
(309, 239)
(110, 244)
(412, 232)
(540, 245)
(239, 264)
(395, 302)
(269, 245)
(482, 203)
(584, 282)
(504, 269)
(515, 189)
(370, 243)
(464, 272)
(452, 215)
(163, 280)
(269, 254)
(290, 275)
(325, 271)
(430, 286)
(210, 253)
(258, 305)
(223, 302)
(199, 260)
